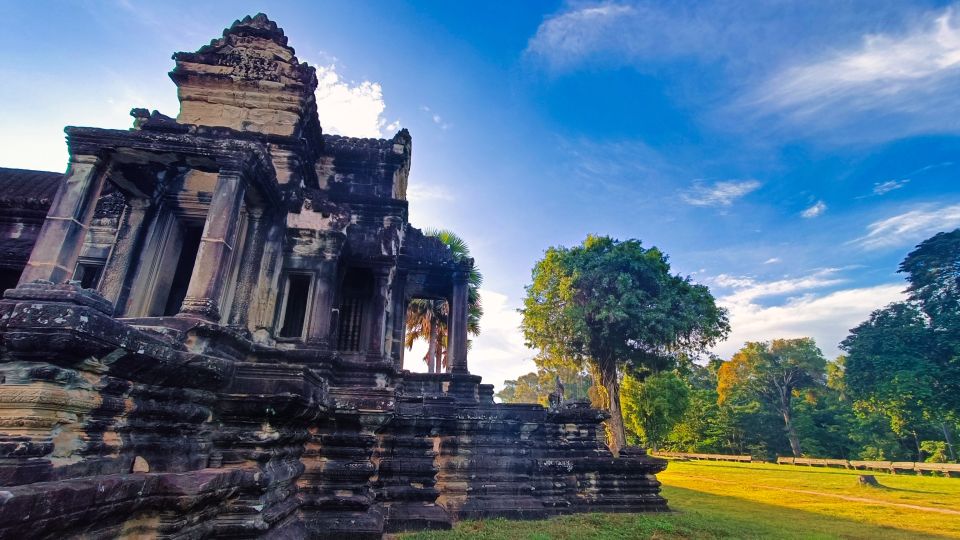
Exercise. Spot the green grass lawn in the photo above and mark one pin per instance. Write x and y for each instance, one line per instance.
(739, 500)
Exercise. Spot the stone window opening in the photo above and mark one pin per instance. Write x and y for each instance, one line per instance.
(352, 315)
(88, 273)
(297, 290)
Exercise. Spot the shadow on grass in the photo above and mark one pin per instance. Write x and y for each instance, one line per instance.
(696, 515)
(881, 487)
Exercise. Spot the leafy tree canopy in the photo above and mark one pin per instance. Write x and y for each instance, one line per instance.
(652, 407)
(616, 306)
(772, 372)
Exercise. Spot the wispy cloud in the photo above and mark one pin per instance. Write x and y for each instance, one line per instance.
(348, 108)
(881, 188)
(909, 227)
(568, 37)
(745, 289)
(772, 260)
(898, 83)
(816, 210)
(871, 71)
(719, 193)
(436, 118)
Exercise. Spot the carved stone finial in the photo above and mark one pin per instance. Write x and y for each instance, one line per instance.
(249, 80)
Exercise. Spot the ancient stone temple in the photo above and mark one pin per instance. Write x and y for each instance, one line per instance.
(201, 335)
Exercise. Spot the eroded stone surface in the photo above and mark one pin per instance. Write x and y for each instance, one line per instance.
(228, 362)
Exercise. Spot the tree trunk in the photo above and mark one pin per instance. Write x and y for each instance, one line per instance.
(432, 348)
(949, 440)
(916, 441)
(610, 382)
(791, 430)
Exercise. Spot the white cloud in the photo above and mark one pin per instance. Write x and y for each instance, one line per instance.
(719, 193)
(825, 317)
(803, 311)
(418, 192)
(903, 83)
(772, 260)
(817, 209)
(498, 353)
(910, 227)
(352, 109)
(881, 188)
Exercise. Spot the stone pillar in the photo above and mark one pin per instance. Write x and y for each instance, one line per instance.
(249, 268)
(399, 318)
(216, 248)
(457, 324)
(324, 290)
(116, 275)
(378, 309)
(55, 253)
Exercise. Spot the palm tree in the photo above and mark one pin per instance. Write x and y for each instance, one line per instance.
(427, 319)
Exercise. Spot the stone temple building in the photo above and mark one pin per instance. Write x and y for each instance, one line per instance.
(201, 335)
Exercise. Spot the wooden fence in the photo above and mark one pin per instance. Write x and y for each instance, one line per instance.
(711, 457)
(949, 469)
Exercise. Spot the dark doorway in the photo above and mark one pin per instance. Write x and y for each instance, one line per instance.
(295, 310)
(192, 233)
(9, 278)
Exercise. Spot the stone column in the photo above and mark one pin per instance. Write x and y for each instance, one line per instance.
(216, 248)
(399, 318)
(116, 275)
(324, 284)
(378, 309)
(249, 268)
(457, 324)
(54, 256)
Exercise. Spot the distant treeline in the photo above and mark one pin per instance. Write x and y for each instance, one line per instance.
(894, 395)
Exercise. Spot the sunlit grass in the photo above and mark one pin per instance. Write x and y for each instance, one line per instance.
(732, 500)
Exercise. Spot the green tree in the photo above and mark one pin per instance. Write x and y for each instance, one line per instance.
(889, 369)
(537, 387)
(427, 318)
(615, 306)
(652, 407)
(773, 371)
(698, 430)
(933, 271)
(524, 389)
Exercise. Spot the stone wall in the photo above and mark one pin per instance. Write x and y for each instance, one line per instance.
(110, 430)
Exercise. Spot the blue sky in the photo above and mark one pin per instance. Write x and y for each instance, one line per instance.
(787, 154)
